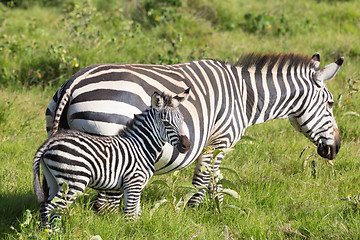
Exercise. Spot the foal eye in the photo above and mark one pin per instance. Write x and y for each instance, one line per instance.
(166, 122)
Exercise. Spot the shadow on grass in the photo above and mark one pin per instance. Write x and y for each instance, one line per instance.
(12, 208)
(14, 205)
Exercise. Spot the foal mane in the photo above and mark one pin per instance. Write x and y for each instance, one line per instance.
(167, 102)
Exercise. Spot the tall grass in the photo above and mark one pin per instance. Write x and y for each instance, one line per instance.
(285, 189)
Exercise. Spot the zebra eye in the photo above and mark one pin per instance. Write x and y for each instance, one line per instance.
(166, 123)
(330, 104)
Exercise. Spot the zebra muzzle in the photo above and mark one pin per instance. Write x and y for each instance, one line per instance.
(184, 144)
(329, 151)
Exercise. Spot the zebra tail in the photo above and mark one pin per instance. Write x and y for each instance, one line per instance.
(38, 189)
(64, 100)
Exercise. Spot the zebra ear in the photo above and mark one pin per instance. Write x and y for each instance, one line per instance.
(157, 101)
(329, 71)
(181, 97)
(316, 60)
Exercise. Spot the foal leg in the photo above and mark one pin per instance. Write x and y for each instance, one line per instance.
(133, 186)
(51, 211)
(132, 201)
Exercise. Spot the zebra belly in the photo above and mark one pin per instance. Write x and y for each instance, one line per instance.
(95, 127)
(104, 119)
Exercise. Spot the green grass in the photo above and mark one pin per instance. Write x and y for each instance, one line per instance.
(280, 196)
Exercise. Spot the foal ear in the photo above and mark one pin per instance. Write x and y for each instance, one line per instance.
(181, 97)
(157, 101)
(329, 71)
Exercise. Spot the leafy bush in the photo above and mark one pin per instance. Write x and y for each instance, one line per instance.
(151, 13)
(30, 3)
(43, 70)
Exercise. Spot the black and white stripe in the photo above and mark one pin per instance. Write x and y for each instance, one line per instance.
(117, 164)
(225, 100)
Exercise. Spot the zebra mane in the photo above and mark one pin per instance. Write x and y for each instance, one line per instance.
(259, 60)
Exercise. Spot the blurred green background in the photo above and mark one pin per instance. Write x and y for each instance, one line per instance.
(282, 194)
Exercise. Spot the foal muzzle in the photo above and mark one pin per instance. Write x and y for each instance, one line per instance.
(184, 144)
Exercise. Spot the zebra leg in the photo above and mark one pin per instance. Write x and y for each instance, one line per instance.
(132, 201)
(205, 177)
(200, 179)
(108, 202)
(50, 212)
(132, 192)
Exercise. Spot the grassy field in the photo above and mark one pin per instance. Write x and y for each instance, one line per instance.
(282, 194)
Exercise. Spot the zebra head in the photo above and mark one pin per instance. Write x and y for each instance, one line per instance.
(170, 119)
(315, 119)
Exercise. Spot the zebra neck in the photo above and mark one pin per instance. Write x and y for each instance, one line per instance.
(272, 92)
(144, 132)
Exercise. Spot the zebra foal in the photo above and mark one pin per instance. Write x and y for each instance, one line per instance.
(121, 164)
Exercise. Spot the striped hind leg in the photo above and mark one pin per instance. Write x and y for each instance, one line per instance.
(57, 199)
(51, 211)
(203, 177)
(108, 202)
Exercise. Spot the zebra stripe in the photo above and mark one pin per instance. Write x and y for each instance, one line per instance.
(226, 99)
(117, 164)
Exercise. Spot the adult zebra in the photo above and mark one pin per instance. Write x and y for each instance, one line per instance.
(226, 99)
(121, 164)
